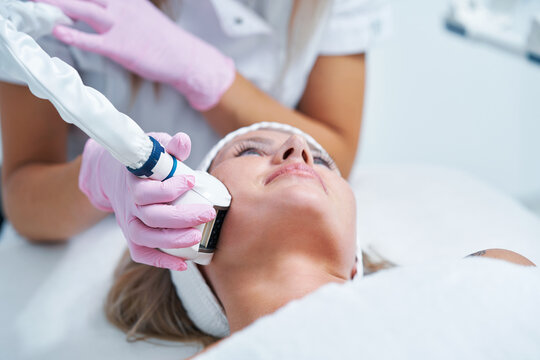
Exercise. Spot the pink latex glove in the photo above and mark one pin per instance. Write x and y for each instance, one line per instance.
(138, 36)
(142, 206)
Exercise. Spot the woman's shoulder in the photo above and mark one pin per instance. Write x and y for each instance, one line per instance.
(506, 255)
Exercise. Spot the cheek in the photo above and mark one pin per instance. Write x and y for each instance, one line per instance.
(352, 245)
(350, 211)
(344, 213)
(240, 178)
(246, 193)
(342, 198)
(349, 207)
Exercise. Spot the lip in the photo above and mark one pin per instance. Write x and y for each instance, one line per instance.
(296, 169)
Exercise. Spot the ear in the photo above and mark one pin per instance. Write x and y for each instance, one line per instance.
(354, 270)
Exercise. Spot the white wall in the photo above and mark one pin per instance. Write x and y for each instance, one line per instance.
(435, 97)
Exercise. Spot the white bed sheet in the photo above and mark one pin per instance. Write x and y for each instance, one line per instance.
(52, 300)
(417, 213)
(52, 296)
(471, 309)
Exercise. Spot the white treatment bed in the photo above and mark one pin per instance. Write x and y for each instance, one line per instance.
(435, 306)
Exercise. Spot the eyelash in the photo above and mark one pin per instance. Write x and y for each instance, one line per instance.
(242, 148)
(326, 159)
(318, 158)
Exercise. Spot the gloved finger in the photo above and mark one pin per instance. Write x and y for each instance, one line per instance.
(154, 257)
(179, 146)
(175, 216)
(94, 15)
(82, 40)
(148, 191)
(162, 137)
(142, 235)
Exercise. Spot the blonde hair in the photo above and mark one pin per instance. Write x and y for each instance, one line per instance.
(143, 303)
(374, 263)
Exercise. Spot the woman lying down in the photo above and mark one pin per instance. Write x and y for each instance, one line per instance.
(289, 231)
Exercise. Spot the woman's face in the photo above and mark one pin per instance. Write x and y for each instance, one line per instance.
(287, 198)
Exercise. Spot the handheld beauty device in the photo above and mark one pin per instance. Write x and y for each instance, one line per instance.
(22, 60)
(207, 190)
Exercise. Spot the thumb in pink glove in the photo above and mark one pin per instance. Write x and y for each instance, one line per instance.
(142, 206)
(142, 39)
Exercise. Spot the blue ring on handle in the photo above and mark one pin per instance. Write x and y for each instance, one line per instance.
(173, 168)
(146, 169)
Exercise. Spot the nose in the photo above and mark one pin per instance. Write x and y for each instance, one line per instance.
(295, 148)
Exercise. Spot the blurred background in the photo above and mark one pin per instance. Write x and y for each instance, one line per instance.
(468, 102)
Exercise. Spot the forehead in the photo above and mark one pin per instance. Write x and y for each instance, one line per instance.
(274, 135)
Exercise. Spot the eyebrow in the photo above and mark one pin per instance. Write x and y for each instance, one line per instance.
(258, 139)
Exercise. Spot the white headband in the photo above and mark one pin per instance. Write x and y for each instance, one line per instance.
(200, 303)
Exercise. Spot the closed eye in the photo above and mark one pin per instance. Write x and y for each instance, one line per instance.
(248, 151)
(324, 159)
(249, 148)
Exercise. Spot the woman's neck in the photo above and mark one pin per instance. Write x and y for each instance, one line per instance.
(248, 294)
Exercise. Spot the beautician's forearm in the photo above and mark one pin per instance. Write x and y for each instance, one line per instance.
(44, 203)
(333, 98)
(245, 104)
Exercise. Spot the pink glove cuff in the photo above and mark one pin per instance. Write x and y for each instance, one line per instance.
(92, 152)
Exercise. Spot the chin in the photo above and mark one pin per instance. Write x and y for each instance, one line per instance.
(298, 200)
(307, 191)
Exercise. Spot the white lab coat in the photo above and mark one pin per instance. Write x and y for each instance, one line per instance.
(254, 33)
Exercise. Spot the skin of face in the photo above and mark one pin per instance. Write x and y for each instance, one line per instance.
(287, 201)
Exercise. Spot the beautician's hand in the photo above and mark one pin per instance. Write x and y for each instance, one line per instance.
(141, 38)
(142, 206)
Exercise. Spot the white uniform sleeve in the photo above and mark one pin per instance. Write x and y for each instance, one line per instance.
(54, 48)
(354, 25)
